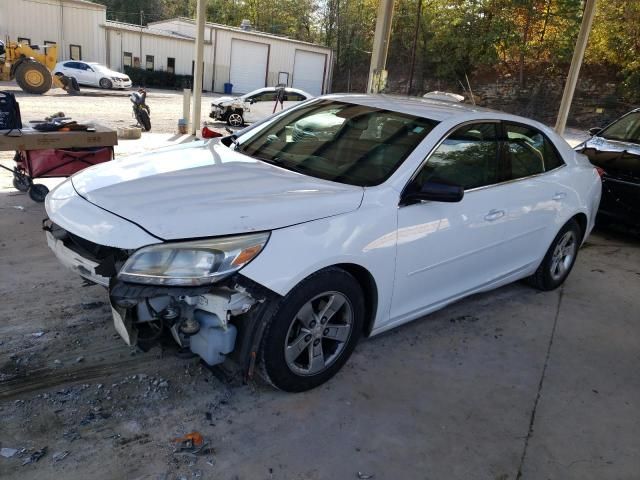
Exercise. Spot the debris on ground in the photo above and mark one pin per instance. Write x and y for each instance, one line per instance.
(8, 452)
(18, 207)
(59, 456)
(37, 334)
(35, 456)
(365, 476)
(192, 444)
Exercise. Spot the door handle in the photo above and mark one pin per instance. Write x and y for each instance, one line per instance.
(494, 215)
(559, 196)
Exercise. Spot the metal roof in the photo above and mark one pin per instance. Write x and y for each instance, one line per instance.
(219, 26)
(113, 25)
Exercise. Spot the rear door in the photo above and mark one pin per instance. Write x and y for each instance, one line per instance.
(533, 195)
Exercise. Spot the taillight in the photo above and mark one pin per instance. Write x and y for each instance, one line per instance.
(600, 171)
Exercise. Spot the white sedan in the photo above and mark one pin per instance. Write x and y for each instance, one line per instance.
(93, 74)
(255, 106)
(281, 251)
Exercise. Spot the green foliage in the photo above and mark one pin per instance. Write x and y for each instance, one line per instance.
(454, 38)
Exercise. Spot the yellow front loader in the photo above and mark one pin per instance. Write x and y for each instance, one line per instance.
(31, 67)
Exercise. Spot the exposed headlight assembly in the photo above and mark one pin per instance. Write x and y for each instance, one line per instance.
(194, 263)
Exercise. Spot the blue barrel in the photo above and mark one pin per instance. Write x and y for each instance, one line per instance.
(228, 88)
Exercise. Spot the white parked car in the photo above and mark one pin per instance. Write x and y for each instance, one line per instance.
(93, 74)
(254, 106)
(285, 251)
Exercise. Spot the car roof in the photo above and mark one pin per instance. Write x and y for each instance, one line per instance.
(423, 107)
(273, 89)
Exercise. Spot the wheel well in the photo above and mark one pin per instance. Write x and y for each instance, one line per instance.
(581, 219)
(369, 289)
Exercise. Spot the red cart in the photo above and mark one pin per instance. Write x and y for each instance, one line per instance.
(50, 163)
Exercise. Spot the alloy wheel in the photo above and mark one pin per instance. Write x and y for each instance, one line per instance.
(564, 254)
(318, 333)
(235, 120)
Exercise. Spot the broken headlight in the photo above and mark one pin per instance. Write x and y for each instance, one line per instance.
(192, 263)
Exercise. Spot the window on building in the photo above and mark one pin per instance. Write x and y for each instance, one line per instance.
(127, 59)
(149, 63)
(75, 52)
(171, 65)
(24, 40)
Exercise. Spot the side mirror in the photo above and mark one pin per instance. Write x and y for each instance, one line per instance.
(594, 131)
(252, 101)
(434, 192)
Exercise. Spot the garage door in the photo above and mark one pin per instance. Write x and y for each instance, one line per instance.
(308, 71)
(248, 65)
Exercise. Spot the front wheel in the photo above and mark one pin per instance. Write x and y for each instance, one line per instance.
(313, 332)
(106, 83)
(235, 119)
(559, 259)
(143, 119)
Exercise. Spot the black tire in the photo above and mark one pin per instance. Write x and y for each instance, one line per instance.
(274, 367)
(143, 119)
(235, 119)
(548, 276)
(105, 83)
(38, 192)
(21, 183)
(33, 77)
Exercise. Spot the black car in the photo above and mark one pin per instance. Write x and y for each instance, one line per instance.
(615, 149)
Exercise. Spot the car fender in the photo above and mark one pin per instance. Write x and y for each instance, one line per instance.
(365, 237)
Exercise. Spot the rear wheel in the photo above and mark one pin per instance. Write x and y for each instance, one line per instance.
(106, 83)
(38, 192)
(33, 77)
(143, 119)
(559, 259)
(313, 332)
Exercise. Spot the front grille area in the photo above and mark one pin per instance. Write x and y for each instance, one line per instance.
(92, 251)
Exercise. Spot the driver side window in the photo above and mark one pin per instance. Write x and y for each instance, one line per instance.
(469, 157)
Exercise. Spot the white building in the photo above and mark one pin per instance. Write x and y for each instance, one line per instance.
(247, 59)
(76, 26)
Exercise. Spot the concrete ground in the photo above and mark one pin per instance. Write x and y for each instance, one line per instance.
(504, 385)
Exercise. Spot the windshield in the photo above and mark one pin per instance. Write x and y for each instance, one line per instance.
(342, 142)
(627, 129)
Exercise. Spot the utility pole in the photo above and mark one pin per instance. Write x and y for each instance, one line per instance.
(415, 46)
(576, 62)
(377, 70)
(198, 67)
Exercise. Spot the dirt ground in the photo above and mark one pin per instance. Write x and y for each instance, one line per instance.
(505, 385)
(111, 108)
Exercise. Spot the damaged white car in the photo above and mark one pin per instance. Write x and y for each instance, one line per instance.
(280, 251)
(255, 106)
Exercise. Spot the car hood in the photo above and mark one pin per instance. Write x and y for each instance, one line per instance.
(206, 189)
(227, 100)
(604, 144)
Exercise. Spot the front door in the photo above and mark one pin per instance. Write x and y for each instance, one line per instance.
(445, 250)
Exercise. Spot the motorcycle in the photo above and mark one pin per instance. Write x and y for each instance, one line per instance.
(141, 110)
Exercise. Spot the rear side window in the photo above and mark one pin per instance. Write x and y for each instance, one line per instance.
(528, 152)
(469, 157)
(295, 97)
